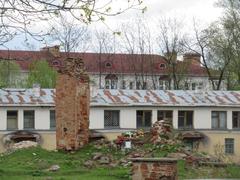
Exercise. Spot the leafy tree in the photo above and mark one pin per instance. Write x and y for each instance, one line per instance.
(41, 73)
(231, 26)
(9, 74)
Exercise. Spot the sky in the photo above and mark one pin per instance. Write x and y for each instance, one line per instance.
(204, 11)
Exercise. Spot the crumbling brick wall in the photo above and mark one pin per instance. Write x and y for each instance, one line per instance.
(154, 168)
(72, 105)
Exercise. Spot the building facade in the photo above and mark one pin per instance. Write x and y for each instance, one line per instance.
(214, 114)
(123, 71)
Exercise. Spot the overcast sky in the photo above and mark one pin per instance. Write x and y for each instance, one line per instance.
(202, 10)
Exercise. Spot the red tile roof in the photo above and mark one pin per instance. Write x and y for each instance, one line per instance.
(96, 62)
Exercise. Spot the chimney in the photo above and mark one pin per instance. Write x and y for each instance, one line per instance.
(53, 50)
(36, 90)
(192, 58)
(171, 55)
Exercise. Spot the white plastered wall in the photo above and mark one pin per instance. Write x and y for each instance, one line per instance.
(42, 117)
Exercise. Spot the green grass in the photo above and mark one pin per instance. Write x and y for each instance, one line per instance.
(33, 164)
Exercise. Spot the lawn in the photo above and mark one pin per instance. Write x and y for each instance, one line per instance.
(33, 164)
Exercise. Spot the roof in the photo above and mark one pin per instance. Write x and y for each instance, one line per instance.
(177, 98)
(26, 97)
(146, 98)
(96, 62)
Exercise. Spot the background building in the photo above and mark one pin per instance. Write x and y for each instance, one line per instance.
(123, 71)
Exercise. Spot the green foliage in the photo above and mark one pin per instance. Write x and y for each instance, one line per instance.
(41, 73)
(9, 74)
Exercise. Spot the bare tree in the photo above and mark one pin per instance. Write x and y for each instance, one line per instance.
(137, 41)
(18, 16)
(70, 35)
(105, 47)
(169, 41)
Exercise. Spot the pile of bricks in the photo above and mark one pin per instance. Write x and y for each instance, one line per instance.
(72, 106)
(154, 168)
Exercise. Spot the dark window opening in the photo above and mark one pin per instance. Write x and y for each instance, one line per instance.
(123, 84)
(162, 66)
(12, 120)
(29, 119)
(229, 145)
(111, 81)
(185, 119)
(131, 85)
(52, 119)
(219, 119)
(144, 119)
(236, 119)
(144, 85)
(108, 65)
(165, 115)
(111, 119)
(138, 85)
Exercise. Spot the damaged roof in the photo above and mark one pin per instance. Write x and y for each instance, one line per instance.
(165, 98)
(28, 97)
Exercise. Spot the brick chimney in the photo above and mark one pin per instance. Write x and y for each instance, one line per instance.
(171, 55)
(192, 58)
(53, 50)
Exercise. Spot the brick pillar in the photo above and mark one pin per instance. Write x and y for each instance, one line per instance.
(154, 168)
(72, 105)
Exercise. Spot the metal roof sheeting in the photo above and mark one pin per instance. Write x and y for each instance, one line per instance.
(26, 97)
(165, 98)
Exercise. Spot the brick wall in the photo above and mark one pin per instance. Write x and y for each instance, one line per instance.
(72, 106)
(154, 168)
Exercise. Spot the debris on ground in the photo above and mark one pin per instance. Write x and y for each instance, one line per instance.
(54, 168)
(23, 145)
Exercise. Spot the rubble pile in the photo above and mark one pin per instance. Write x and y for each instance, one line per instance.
(161, 133)
(23, 145)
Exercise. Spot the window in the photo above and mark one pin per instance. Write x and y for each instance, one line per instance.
(162, 66)
(219, 119)
(165, 115)
(28, 119)
(12, 120)
(186, 86)
(163, 84)
(123, 84)
(111, 81)
(229, 145)
(193, 86)
(111, 119)
(107, 84)
(236, 119)
(185, 119)
(144, 119)
(144, 85)
(108, 65)
(52, 119)
(131, 84)
(200, 85)
(138, 85)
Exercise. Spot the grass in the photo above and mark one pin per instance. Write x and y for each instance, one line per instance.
(33, 164)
